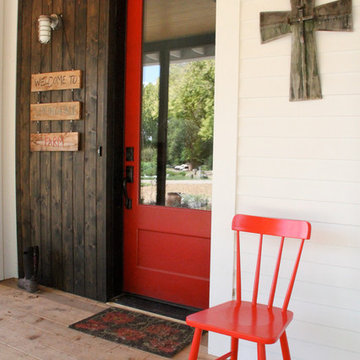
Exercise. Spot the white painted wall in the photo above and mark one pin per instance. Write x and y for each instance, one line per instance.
(1, 131)
(296, 160)
(8, 38)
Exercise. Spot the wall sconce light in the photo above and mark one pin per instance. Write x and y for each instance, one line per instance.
(46, 24)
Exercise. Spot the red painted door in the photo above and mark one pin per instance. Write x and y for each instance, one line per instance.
(166, 229)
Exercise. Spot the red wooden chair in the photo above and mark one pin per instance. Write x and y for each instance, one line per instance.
(263, 324)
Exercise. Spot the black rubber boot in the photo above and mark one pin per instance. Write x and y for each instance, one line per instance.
(31, 262)
(36, 262)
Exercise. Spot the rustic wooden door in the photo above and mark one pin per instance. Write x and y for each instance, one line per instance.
(168, 153)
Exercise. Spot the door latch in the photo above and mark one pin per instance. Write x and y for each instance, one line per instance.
(128, 201)
(129, 178)
(130, 174)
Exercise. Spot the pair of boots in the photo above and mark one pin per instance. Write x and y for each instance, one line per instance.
(31, 265)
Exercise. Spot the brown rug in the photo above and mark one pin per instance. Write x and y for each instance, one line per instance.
(148, 333)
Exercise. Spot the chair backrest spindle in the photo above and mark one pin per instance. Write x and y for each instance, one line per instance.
(293, 276)
(276, 275)
(257, 272)
(238, 268)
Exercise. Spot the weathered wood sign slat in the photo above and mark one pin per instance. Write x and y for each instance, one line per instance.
(54, 141)
(56, 111)
(61, 80)
(302, 21)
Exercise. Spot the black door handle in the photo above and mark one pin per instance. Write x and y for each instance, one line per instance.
(128, 201)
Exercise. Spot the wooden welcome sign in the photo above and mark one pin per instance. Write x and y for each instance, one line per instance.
(56, 111)
(54, 141)
(61, 80)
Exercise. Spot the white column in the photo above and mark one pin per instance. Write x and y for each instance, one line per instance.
(8, 125)
(1, 152)
(225, 158)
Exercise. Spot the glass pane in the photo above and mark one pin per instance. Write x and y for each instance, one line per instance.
(149, 127)
(178, 104)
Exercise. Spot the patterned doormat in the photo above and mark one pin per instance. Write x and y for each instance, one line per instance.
(148, 333)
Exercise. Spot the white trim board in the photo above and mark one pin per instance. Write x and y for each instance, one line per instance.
(8, 240)
(1, 143)
(225, 158)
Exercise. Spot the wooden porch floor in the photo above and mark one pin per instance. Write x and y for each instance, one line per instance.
(35, 326)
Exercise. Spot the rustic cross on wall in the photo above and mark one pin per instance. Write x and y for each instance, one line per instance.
(302, 21)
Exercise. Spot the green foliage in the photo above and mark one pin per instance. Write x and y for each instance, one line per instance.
(148, 168)
(191, 112)
(175, 175)
(196, 202)
(150, 114)
(148, 154)
(190, 115)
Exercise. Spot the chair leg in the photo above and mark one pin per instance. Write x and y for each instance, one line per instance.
(194, 351)
(234, 348)
(261, 351)
(285, 347)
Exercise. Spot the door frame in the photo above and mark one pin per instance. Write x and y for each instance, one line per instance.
(227, 58)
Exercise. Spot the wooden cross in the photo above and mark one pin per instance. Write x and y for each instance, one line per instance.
(302, 21)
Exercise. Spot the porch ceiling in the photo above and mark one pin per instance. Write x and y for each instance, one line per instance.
(166, 19)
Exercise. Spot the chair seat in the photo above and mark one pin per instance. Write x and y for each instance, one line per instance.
(243, 320)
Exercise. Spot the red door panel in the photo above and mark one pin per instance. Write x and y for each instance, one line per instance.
(166, 250)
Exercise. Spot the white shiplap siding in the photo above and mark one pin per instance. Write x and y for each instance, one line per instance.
(302, 160)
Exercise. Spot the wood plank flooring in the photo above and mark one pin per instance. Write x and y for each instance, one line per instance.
(35, 326)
